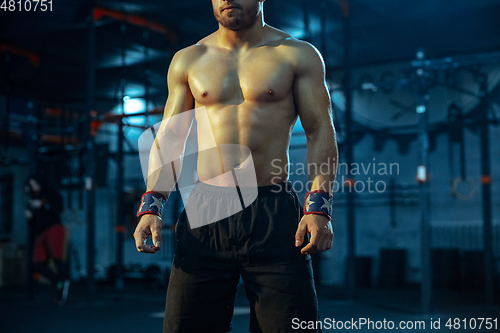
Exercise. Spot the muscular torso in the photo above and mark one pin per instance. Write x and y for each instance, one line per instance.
(249, 101)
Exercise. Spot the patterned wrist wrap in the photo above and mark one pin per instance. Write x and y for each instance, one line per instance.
(152, 203)
(318, 202)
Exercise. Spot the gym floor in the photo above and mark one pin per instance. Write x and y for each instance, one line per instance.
(138, 309)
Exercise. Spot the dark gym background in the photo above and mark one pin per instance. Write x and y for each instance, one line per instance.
(415, 86)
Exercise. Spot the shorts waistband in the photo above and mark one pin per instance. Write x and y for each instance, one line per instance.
(229, 191)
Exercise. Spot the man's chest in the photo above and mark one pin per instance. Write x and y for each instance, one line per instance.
(258, 77)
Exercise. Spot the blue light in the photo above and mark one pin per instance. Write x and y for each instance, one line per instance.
(296, 33)
(134, 105)
(421, 109)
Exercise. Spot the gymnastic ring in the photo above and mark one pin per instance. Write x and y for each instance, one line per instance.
(456, 182)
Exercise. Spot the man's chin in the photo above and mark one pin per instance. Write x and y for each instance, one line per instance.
(233, 24)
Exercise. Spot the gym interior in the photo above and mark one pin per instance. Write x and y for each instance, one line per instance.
(415, 92)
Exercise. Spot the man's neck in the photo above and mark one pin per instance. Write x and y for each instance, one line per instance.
(244, 38)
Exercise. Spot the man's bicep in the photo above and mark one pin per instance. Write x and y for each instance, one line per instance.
(169, 141)
(176, 121)
(179, 97)
(311, 95)
(179, 100)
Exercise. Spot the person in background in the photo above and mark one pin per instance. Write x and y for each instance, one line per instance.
(43, 213)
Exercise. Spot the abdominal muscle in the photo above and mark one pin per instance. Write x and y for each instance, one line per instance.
(236, 131)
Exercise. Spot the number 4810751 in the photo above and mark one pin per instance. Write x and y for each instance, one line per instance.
(26, 5)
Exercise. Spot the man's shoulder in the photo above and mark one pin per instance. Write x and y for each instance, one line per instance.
(297, 47)
(302, 48)
(184, 58)
(190, 52)
(198, 48)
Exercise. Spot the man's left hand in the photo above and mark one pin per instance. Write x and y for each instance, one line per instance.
(320, 228)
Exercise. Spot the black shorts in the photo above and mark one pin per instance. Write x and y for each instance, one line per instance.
(258, 244)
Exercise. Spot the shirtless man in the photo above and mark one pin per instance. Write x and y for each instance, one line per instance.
(254, 82)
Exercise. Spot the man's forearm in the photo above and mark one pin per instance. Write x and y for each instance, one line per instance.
(164, 168)
(322, 156)
(166, 154)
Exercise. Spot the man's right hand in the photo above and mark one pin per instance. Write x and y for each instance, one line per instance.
(148, 225)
